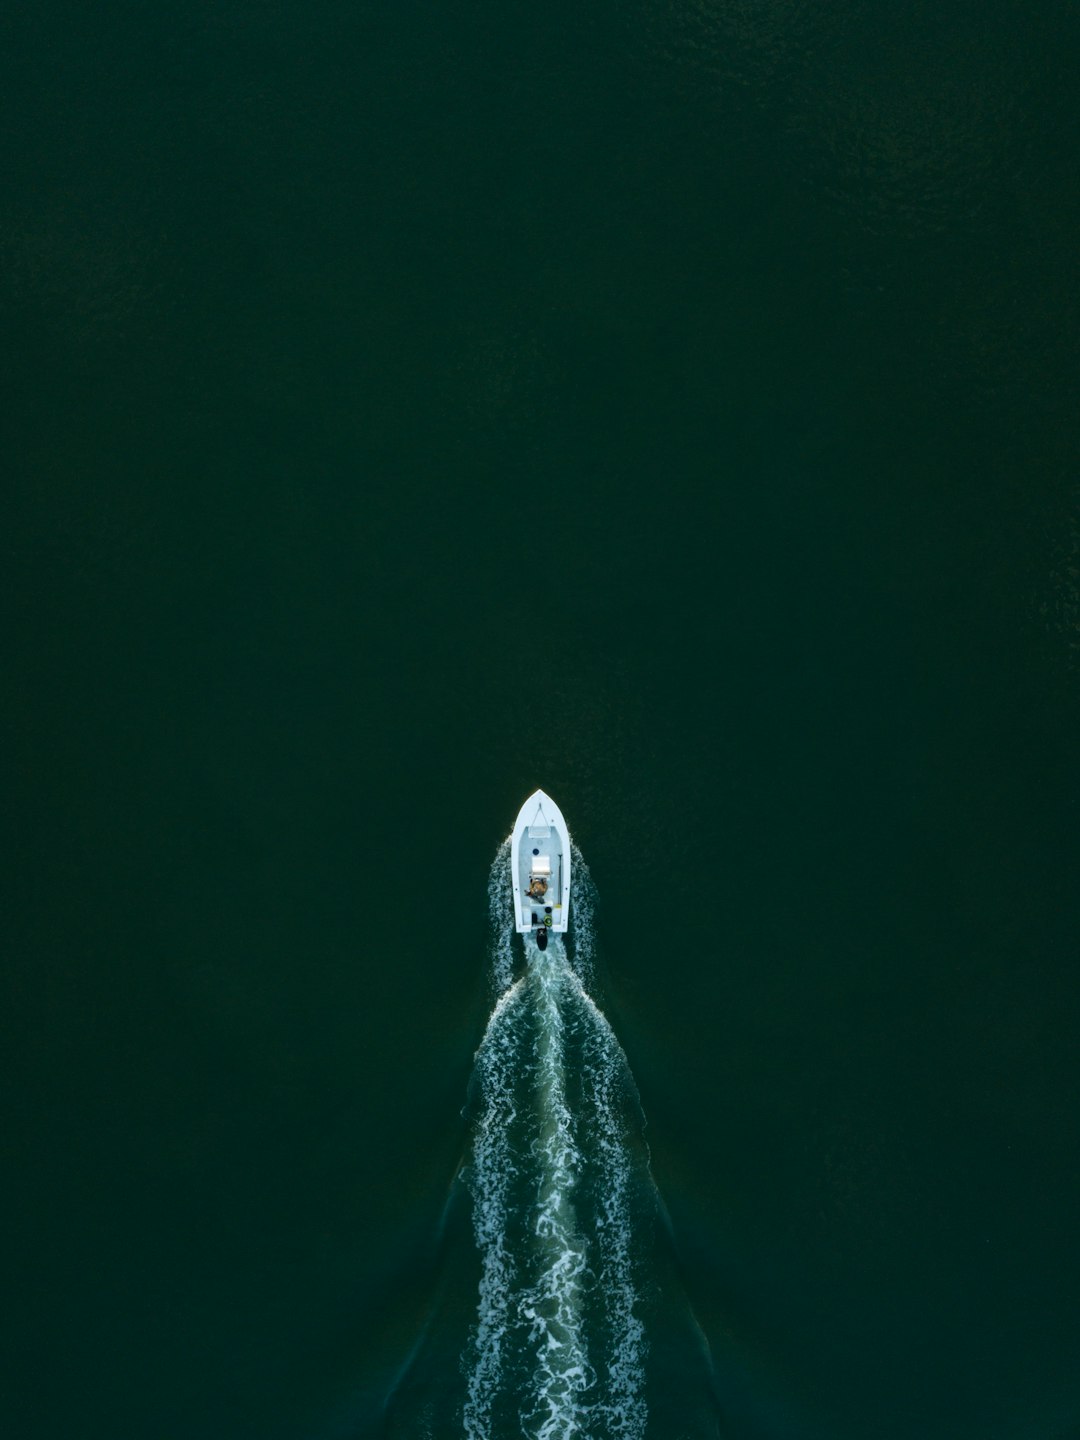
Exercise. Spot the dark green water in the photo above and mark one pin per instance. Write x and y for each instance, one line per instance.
(408, 406)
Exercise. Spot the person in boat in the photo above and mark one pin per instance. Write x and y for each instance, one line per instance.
(537, 888)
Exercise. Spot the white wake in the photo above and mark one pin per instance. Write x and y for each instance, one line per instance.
(558, 1346)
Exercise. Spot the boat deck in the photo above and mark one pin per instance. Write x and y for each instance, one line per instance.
(540, 862)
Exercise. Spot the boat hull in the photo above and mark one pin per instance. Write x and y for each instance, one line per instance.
(540, 866)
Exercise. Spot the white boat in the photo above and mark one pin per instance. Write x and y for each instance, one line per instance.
(540, 868)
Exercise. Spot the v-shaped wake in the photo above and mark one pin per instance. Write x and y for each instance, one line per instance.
(558, 1346)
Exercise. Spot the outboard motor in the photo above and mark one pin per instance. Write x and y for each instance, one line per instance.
(541, 937)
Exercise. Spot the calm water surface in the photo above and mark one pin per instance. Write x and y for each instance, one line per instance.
(672, 406)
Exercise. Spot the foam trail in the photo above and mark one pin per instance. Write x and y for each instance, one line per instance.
(553, 1304)
(492, 1172)
(501, 919)
(557, 1350)
(582, 916)
(605, 1067)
